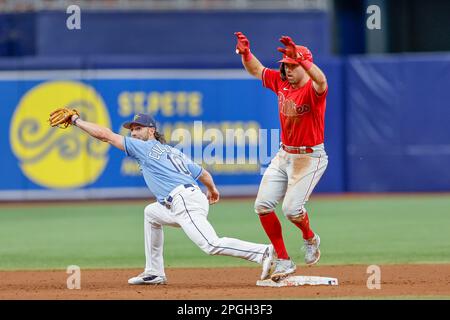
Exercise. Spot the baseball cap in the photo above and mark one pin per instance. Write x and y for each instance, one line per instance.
(302, 50)
(141, 119)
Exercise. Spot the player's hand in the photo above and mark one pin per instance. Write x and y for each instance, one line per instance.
(290, 50)
(213, 195)
(74, 118)
(62, 117)
(243, 45)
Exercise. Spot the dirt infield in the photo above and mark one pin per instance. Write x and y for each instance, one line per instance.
(229, 283)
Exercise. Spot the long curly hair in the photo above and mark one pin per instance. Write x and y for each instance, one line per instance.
(160, 137)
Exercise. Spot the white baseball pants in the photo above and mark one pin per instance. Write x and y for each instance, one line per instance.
(292, 176)
(189, 211)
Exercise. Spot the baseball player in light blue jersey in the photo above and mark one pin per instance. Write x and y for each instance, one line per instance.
(171, 177)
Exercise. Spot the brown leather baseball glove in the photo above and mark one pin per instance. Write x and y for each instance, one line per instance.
(62, 117)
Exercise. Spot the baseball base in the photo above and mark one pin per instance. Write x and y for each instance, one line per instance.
(295, 281)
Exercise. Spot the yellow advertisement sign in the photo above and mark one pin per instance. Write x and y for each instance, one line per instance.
(52, 157)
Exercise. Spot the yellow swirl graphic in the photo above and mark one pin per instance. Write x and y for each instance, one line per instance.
(52, 157)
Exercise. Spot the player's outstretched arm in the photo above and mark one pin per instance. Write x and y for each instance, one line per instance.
(99, 132)
(212, 193)
(250, 62)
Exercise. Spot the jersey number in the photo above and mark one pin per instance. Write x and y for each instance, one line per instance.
(178, 163)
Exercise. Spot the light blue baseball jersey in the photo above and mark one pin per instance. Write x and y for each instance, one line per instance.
(164, 168)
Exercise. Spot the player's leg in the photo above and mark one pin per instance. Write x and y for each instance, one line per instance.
(271, 190)
(155, 216)
(304, 173)
(190, 211)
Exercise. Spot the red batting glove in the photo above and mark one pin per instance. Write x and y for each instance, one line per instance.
(305, 61)
(291, 52)
(243, 46)
(291, 49)
(304, 56)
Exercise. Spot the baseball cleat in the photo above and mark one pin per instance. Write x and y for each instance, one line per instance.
(268, 262)
(145, 278)
(312, 251)
(283, 268)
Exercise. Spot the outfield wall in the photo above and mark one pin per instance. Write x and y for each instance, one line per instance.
(386, 128)
(398, 133)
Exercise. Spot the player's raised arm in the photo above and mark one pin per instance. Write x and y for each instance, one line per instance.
(305, 60)
(212, 193)
(64, 117)
(250, 62)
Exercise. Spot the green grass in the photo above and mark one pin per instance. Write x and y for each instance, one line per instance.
(403, 229)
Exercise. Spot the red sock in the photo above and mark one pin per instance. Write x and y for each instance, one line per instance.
(304, 226)
(272, 226)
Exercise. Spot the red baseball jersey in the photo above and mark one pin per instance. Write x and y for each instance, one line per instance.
(301, 110)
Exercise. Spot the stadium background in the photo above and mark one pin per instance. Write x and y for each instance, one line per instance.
(386, 124)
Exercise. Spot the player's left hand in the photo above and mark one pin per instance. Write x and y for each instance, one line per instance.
(213, 195)
(62, 117)
(290, 50)
(243, 45)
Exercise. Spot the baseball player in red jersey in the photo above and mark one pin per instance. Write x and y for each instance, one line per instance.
(293, 173)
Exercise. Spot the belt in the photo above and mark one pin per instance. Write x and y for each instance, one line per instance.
(297, 150)
(167, 202)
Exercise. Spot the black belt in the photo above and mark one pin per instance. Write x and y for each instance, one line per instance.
(168, 201)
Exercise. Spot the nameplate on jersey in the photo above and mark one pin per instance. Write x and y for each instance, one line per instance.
(158, 150)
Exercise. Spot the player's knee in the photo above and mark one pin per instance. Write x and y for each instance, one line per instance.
(150, 217)
(297, 219)
(263, 206)
(294, 214)
(208, 250)
(155, 223)
(215, 246)
(212, 248)
(148, 211)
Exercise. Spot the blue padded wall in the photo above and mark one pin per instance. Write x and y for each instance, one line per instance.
(398, 123)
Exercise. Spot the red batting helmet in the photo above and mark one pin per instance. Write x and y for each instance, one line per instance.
(303, 51)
